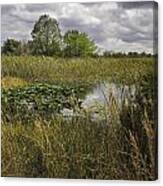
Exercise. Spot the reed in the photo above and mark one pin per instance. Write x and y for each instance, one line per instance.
(121, 146)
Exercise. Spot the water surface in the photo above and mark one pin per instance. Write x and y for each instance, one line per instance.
(99, 97)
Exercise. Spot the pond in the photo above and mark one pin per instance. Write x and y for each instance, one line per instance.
(99, 97)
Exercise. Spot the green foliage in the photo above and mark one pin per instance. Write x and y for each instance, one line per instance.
(38, 100)
(46, 37)
(78, 44)
(11, 47)
(129, 54)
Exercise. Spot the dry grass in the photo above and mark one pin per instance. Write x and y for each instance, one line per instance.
(12, 82)
(80, 148)
(123, 146)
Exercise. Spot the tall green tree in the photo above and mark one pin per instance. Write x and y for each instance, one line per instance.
(78, 44)
(46, 36)
(11, 47)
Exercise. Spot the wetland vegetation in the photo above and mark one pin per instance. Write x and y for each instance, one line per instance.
(38, 141)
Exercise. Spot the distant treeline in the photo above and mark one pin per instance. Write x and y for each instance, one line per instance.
(129, 54)
(47, 40)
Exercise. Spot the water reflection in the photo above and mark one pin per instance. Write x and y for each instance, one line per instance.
(99, 96)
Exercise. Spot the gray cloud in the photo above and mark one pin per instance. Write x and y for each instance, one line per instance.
(136, 4)
(126, 26)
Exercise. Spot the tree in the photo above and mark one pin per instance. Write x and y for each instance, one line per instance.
(78, 44)
(46, 36)
(11, 47)
(107, 53)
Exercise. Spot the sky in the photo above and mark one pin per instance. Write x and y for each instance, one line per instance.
(114, 26)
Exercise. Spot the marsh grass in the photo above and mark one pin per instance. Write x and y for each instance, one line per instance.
(77, 70)
(12, 82)
(122, 146)
(80, 148)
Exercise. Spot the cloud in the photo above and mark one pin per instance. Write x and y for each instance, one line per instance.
(125, 26)
(136, 4)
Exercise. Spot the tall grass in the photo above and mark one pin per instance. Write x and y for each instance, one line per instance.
(122, 146)
(77, 70)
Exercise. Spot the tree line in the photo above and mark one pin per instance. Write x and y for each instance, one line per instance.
(47, 40)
